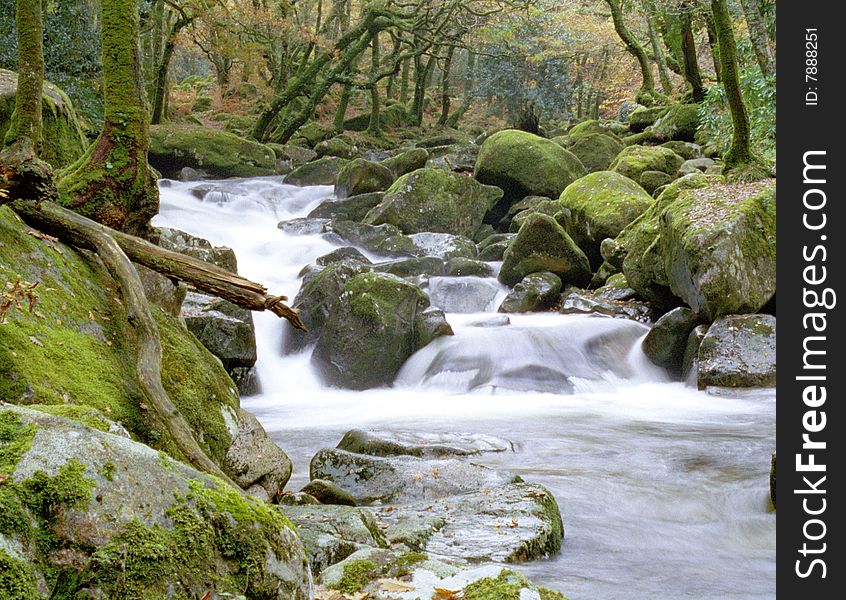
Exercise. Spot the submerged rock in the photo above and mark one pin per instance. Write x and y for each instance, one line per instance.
(124, 520)
(537, 291)
(738, 351)
(402, 478)
(423, 445)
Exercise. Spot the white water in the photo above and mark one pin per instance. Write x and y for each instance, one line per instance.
(663, 488)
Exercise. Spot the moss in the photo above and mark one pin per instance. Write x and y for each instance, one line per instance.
(44, 495)
(643, 117)
(108, 470)
(15, 440)
(81, 414)
(596, 150)
(679, 123)
(586, 128)
(634, 160)
(375, 295)
(523, 164)
(406, 162)
(356, 575)
(16, 578)
(506, 586)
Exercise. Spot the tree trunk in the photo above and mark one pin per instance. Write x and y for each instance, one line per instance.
(374, 126)
(632, 45)
(657, 48)
(739, 153)
(22, 173)
(691, 62)
(714, 44)
(112, 182)
(758, 36)
(162, 70)
(406, 67)
(469, 91)
(445, 100)
(341, 112)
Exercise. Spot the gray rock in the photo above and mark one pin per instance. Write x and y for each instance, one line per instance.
(652, 180)
(303, 226)
(738, 351)
(463, 267)
(327, 492)
(406, 162)
(385, 240)
(666, 342)
(410, 267)
(691, 351)
(254, 459)
(463, 294)
(353, 208)
(537, 291)
(493, 252)
(443, 245)
(345, 253)
(120, 496)
(580, 302)
(323, 171)
(422, 445)
(696, 165)
(687, 150)
(616, 287)
(402, 478)
(161, 291)
(190, 245)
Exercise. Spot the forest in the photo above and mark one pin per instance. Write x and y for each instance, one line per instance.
(387, 299)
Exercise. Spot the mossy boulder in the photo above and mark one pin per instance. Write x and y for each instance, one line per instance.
(679, 123)
(63, 138)
(719, 247)
(643, 117)
(434, 200)
(590, 127)
(323, 171)
(543, 207)
(406, 162)
(543, 245)
(362, 177)
(217, 153)
(666, 342)
(600, 206)
(92, 514)
(596, 151)
(336, 146)
(523, 164)
(353, 208)
(294, 156)
(634, 160)
(687, 150)
(74, 348)
(652, 181)
(738, 351)
(311, 134)
(537, 291)
(374, 327)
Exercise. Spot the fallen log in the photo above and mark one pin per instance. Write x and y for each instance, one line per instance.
(77, 230)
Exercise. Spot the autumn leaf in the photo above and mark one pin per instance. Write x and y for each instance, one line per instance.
(394, 585)
(443, 594)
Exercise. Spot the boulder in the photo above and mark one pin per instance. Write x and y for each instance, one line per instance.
(687, 150)
(596, 151)
(527, 203)
(591, 127)
(643, 117)
(523, 164)
(63, 139)
(253, 458)
(218, 153)
(679, 123)
(434, 200)
(600, 206)
(695, 165)
(327, 492)
(543, 245)
(311, 134)
(343, 253)
(362, 177)
(537, 291)
(354, 208)
(468, 267)
(400, 479)
(412, 267)
(460, 158)
(691, 350)
(323, 171)
(616, 287)
(719, 247)
(337, 146)
(494, 252)
(586, 302)
(544, 207)
(464, 294)
(738, 351)
(292, 155)
(651, 181)
(634, 160)
(666, 342)
(406, 162)
(370, 332)
(626, 109)
(443, 245)
(123, 520)
(191, 245)
(378, 442)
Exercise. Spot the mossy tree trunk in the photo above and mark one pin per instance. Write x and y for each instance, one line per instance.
(469, 91)
(739, 153)
(758, 36)
(374, 127)
(445, 73)
(404, 73)
(714, 44)
(160, 86)
(691, 62)
(22, 173)
(657, 48)
(632, 45)
(341, 111)
(112, 182)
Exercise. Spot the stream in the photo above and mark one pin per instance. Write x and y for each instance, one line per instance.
(663, 489)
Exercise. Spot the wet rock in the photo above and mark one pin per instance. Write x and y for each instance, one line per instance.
(370, 332)
(345, 253)
(402, 478)
(543, 245)
(665, 343)
(691, 350)
(327, 492)
(353, 208)
(323, 171)
(434, 200)
(254, 459)
(385, 239)
(411, 267)
(494, 252)
(443, 245)
(463, 294)
(463, 267)
(616, 287)
(362, 177)
(422, 445)
(185, 243)
(303, 226)
(537, 291)
(577, 302)
(114, 503)
(738, 351)
(508, 523)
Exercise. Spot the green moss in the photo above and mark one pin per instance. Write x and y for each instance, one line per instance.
(15, 440)
(634, 160)
(680, 123)
(643, 117)
(506, 586)
(596, 150)
(374, 295)
(586, 128)
(81, 414)
(44, 495)
(17, 580)
(356, 575)
(108, 470)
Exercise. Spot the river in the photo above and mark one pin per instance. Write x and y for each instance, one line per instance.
(663, 489)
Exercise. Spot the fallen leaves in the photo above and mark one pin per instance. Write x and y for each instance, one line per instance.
(443, 594)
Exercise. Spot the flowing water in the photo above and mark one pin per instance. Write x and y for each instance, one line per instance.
(663, 488)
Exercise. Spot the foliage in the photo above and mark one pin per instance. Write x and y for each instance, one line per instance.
(759, 95)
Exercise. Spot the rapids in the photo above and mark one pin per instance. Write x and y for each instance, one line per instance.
(663, 488)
